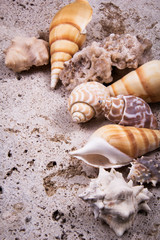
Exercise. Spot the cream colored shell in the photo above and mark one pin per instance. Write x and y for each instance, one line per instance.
(116, 146)
(67, 34)
(24, 52)
(144, 82)
(115, 201)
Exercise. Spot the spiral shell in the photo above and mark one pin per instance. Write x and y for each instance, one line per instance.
(144, 82)
(67, 34)
(129, 111)
(116, 146)
(145, 170)
(116, 201)
(85, 101)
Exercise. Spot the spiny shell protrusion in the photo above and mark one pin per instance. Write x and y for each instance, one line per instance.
(115, 201)
(145, 170)
(116, 146)
(67, 34)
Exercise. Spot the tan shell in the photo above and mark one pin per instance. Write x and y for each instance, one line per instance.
(67, 34)
(24, 52)
(144, 82)
(129, 111)
(115, 146)
(85, 101)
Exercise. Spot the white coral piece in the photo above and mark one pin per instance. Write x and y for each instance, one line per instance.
(116, 201)
(25, 52)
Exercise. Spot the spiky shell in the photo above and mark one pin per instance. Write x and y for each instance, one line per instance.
(67, 34)
(144, 82)
(116, 146)
(145, 170)
(116, 201)
(85, 101)
(129, 111)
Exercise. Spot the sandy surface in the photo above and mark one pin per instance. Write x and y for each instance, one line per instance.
(39, 181)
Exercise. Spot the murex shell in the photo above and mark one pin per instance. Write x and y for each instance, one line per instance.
(145, 170)
(116, 146)
(67, 34)
(85, 101)
(115, 201)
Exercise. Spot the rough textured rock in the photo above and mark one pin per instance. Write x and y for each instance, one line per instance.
(94, 63)
(36, 131)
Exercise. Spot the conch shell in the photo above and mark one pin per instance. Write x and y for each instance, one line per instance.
(86, 103)
(116, 146)
(67, 34)
(145, 170)
(115, 201)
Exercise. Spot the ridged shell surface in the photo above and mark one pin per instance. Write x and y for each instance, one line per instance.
(115, 201)
(67, 34)
(144, 82)
(85, 101)
(129, 111)
(145, 170)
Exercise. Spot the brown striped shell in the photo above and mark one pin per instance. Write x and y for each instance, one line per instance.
(85, 101)
(129, 111)
(67, 34)
(115, 145)
(144, 82)
(145, 170)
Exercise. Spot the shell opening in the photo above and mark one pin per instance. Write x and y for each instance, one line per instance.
(99, 153)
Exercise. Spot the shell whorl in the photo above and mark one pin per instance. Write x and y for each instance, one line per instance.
(86, 99)
(144, 82)
(129, 111)
(113, 146)
(67, 34)
(132, 141)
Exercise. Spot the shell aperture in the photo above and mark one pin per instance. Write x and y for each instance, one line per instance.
(116, 201)
(115, 146)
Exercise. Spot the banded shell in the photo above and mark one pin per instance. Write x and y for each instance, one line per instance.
(144, 82)
(67, 34)
(129, 111)
(145, 170)
(115, 201)
(85, 101)
(116, 146)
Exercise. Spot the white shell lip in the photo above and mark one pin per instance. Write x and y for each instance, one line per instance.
(99, 153)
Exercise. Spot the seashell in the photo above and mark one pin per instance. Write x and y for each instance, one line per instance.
(24, 52)
(145, 170)
(144, 82)
(116, 146)
(67, 34)
(115, 201)
(85, 101)
(129, 111)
